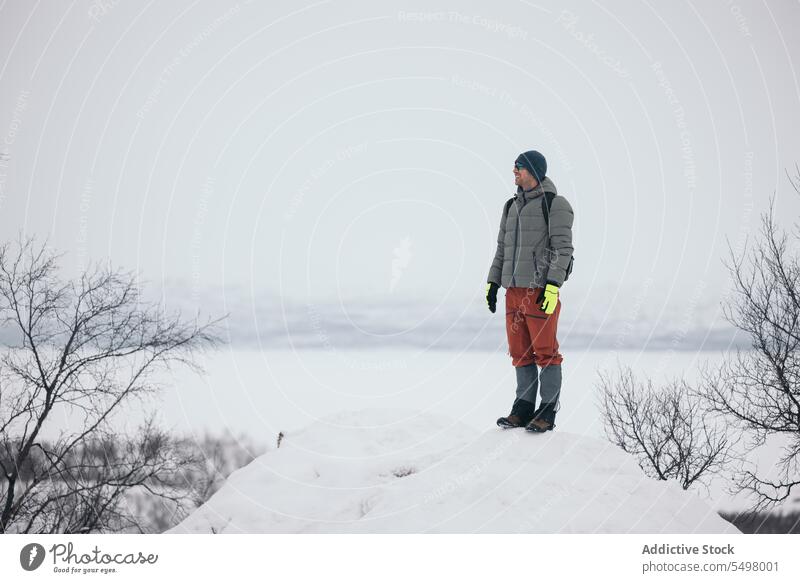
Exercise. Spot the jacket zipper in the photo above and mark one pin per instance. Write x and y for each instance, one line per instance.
(516, 237)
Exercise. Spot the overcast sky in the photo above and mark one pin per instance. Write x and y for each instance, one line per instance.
(342, 150)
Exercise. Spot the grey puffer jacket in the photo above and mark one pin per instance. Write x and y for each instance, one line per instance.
(527, 255)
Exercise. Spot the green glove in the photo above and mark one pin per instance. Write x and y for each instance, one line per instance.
(548, 298)
(491, 296)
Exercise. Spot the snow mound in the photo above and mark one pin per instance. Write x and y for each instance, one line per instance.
(404, 471)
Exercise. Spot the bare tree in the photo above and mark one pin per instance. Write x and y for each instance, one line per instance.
(759, 389)
(665, 428)
(85, 349)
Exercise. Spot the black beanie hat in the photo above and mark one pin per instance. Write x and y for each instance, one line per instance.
(534, 162)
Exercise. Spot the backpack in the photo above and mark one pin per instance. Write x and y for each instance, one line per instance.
(547, 201)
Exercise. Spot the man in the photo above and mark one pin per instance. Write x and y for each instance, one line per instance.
(532, 261)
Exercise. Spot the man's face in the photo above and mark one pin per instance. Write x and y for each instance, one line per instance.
(522, 177)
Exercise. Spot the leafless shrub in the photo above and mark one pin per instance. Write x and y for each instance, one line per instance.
(759, 389)
(219, 457)
(87, 347)
(665, 428)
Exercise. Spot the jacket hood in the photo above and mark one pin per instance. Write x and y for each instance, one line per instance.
(546, 185)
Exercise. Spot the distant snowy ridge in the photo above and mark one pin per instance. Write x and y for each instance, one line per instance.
(266, 320)
(404, 471)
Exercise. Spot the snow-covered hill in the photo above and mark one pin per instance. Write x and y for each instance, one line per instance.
(390, 470)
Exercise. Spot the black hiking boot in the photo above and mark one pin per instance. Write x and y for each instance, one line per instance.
(543, 419)
(521, 413)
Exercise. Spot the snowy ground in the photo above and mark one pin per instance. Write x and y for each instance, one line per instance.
(260, 393)
(399, 470)
(257, 394)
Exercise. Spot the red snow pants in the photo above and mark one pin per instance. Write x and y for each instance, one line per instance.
(531, 332)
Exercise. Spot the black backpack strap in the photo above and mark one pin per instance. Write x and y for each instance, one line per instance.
(547, 202)
(507, 207)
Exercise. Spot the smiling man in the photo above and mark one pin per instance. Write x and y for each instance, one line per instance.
(532, 261)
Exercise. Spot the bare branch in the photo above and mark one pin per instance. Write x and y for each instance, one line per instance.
(758, 390)
(91, 345)
(665, 428)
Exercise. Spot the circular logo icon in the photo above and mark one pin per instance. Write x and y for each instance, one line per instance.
(31, 556)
